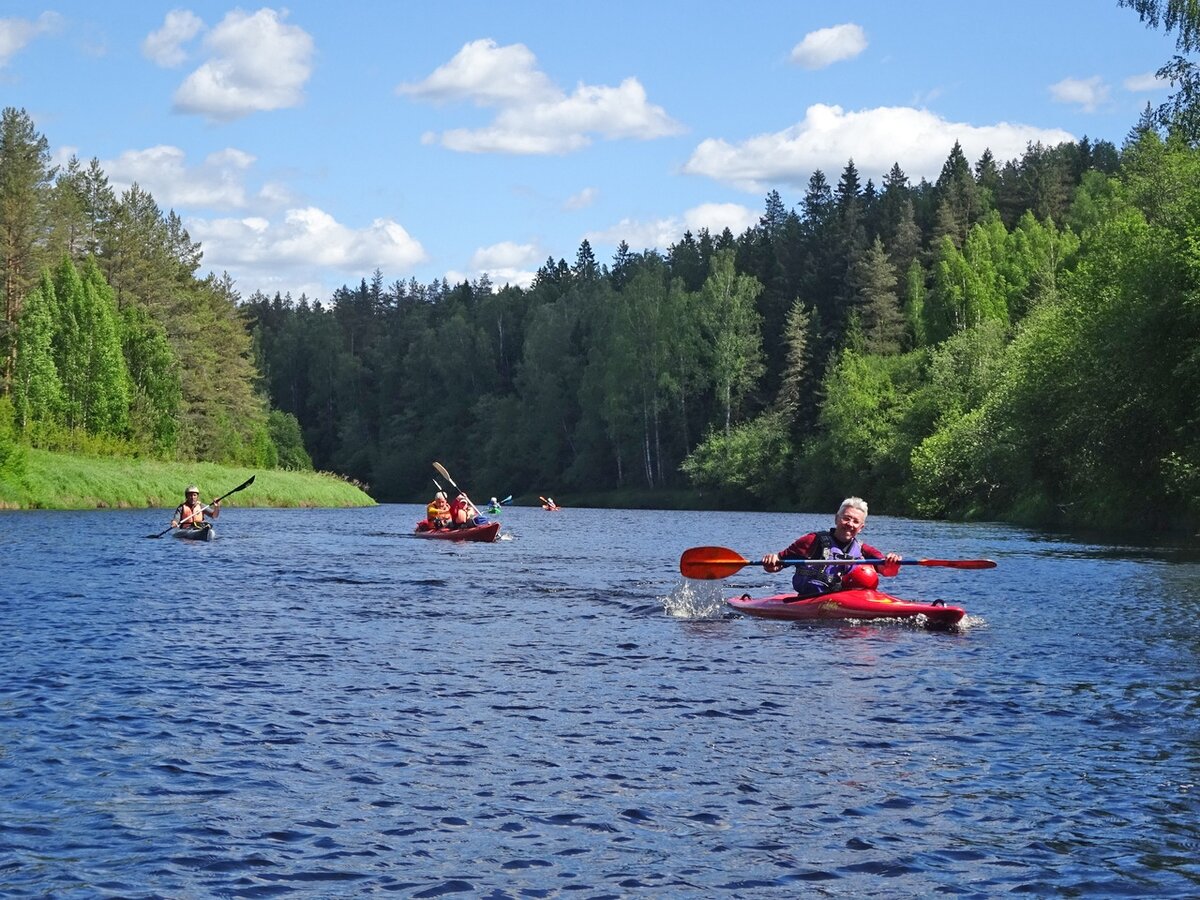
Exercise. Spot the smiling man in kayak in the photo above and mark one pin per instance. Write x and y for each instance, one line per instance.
(839, 542)
(190, 513)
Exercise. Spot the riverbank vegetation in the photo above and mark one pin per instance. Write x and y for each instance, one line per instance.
(1014, 340)
(68, 481)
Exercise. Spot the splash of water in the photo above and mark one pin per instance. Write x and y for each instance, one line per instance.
(695, 600)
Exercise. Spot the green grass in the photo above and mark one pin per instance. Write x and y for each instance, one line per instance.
(67, 481)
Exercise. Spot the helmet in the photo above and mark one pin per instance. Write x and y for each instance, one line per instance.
(440, 495)
(191, 489)
(861, 577)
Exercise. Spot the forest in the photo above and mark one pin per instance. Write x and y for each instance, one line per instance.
(1012, 341)
(1016, 340)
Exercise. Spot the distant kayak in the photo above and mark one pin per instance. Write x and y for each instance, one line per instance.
(852, 604)
(551, 508)
(485, 533)
(493, 510)
(203, 532)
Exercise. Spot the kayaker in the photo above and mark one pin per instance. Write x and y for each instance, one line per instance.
(190, 513)
(463, 512)
(437, 513)
(839, 542)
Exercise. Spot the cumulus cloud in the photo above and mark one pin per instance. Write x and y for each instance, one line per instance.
(165, 46)
(826, 46)
(1147, 81)
(534, 116)
(291, 252)
(217, 183)
(257, 62)
(15, 34)
(1086, 93)
(828, 137)
(505, 263)
(662, 233)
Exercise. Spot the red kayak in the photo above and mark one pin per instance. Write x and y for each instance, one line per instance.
(851, 604)
(486, 532)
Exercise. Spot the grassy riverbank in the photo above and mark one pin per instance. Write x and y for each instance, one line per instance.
(66, 481)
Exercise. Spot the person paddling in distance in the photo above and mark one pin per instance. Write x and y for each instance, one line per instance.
(190, 513)
(839, 542)
(437, 513)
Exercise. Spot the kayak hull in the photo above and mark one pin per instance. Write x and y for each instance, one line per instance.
(484, 533)
(852, 604)
(204, 532)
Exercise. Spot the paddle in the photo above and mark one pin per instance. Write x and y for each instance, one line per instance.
(245, 484)
(721, 562)
(442, 471)
(547, 503)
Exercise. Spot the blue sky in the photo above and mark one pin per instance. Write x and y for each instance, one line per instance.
(307, 145)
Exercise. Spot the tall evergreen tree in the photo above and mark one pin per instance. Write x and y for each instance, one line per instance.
(876, 301)
(37, 389)
(25, 175)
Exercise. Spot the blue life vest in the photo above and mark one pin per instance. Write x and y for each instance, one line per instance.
(810, 580)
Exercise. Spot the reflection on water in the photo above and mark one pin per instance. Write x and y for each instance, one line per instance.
(319, 705)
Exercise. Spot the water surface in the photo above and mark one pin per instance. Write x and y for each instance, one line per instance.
(318, 704)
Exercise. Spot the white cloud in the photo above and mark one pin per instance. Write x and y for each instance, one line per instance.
(486, 75)
(297, 252)
(581, 200)
(15, 34)
(828, 137)
(829, 45)
(506, 255)
(1087, 93)
(165, 46)
(217, 183)
(257, 63)
(662, 233)
(534, 115)
(505, 263)
(1147, 81)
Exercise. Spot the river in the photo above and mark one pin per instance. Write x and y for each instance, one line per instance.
(318, 704)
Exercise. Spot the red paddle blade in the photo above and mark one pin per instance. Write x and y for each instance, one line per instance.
(709, 563)
(959, 563)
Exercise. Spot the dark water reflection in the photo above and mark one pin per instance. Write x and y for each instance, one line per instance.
(317, 704)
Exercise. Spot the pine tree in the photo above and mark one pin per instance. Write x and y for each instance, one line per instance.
(25, 175)
(37, 390)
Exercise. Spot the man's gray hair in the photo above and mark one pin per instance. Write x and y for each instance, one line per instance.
(854, 503)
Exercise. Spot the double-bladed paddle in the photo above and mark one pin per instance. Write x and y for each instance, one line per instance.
(245, 484)
(442, 471)
(720, 562)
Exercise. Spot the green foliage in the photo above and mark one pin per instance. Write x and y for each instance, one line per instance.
(288, 442)
(155, 382)
(732, 327)
(749, 460)
(12, 454)
(37, 389)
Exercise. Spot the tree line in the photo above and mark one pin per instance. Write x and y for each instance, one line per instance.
(986, 345)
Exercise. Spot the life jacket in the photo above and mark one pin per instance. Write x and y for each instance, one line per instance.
(809, 580)
(184, 510)
(437, 513)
